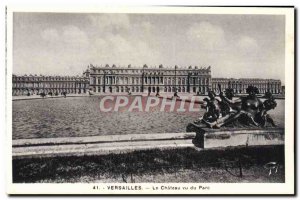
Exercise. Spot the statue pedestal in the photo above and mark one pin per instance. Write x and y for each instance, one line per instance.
(232, 137)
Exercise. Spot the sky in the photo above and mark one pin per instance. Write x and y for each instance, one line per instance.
(235, 46)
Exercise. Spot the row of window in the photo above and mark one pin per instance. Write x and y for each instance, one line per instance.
(261, 90)
(215, 81)
(148, 89)
(46, 79)
(140, 71)
(274, 85)
(36, 91)
(148, 80)
(47, 85)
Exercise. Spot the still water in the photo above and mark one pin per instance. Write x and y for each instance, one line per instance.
(81, 116)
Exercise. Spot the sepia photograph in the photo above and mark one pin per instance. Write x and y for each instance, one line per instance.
(152, 100)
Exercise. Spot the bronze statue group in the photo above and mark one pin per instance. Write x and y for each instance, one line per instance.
(243, 111)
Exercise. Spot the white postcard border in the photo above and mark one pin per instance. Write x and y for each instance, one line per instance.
(214, 188)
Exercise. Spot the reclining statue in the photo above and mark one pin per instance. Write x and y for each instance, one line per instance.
(244, 111)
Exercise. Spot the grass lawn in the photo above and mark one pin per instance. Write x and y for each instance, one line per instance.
(185, 165)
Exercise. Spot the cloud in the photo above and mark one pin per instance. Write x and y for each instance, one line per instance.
(72, 35)
(61, 47)
(50, 34)
(67, 37)
(207, 35)
(122, 51)
(119, 41)
(147, 26)
(110, 22)
(113, 40)
(68, 46)
(247, 43)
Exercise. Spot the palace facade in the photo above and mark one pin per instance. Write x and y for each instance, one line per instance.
(240, 85)
(36, 84)
(148, 80)
(112, 79)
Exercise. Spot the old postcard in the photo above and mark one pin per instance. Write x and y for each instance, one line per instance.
(150, 100)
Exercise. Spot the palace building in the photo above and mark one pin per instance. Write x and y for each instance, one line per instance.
(240, 85)
(112, 79)
(34, 84)
(148, 80)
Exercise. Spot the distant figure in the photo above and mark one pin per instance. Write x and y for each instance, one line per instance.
(175, 93)
(90, 93)
(157, 94)
(128, 91)
(42, 94)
